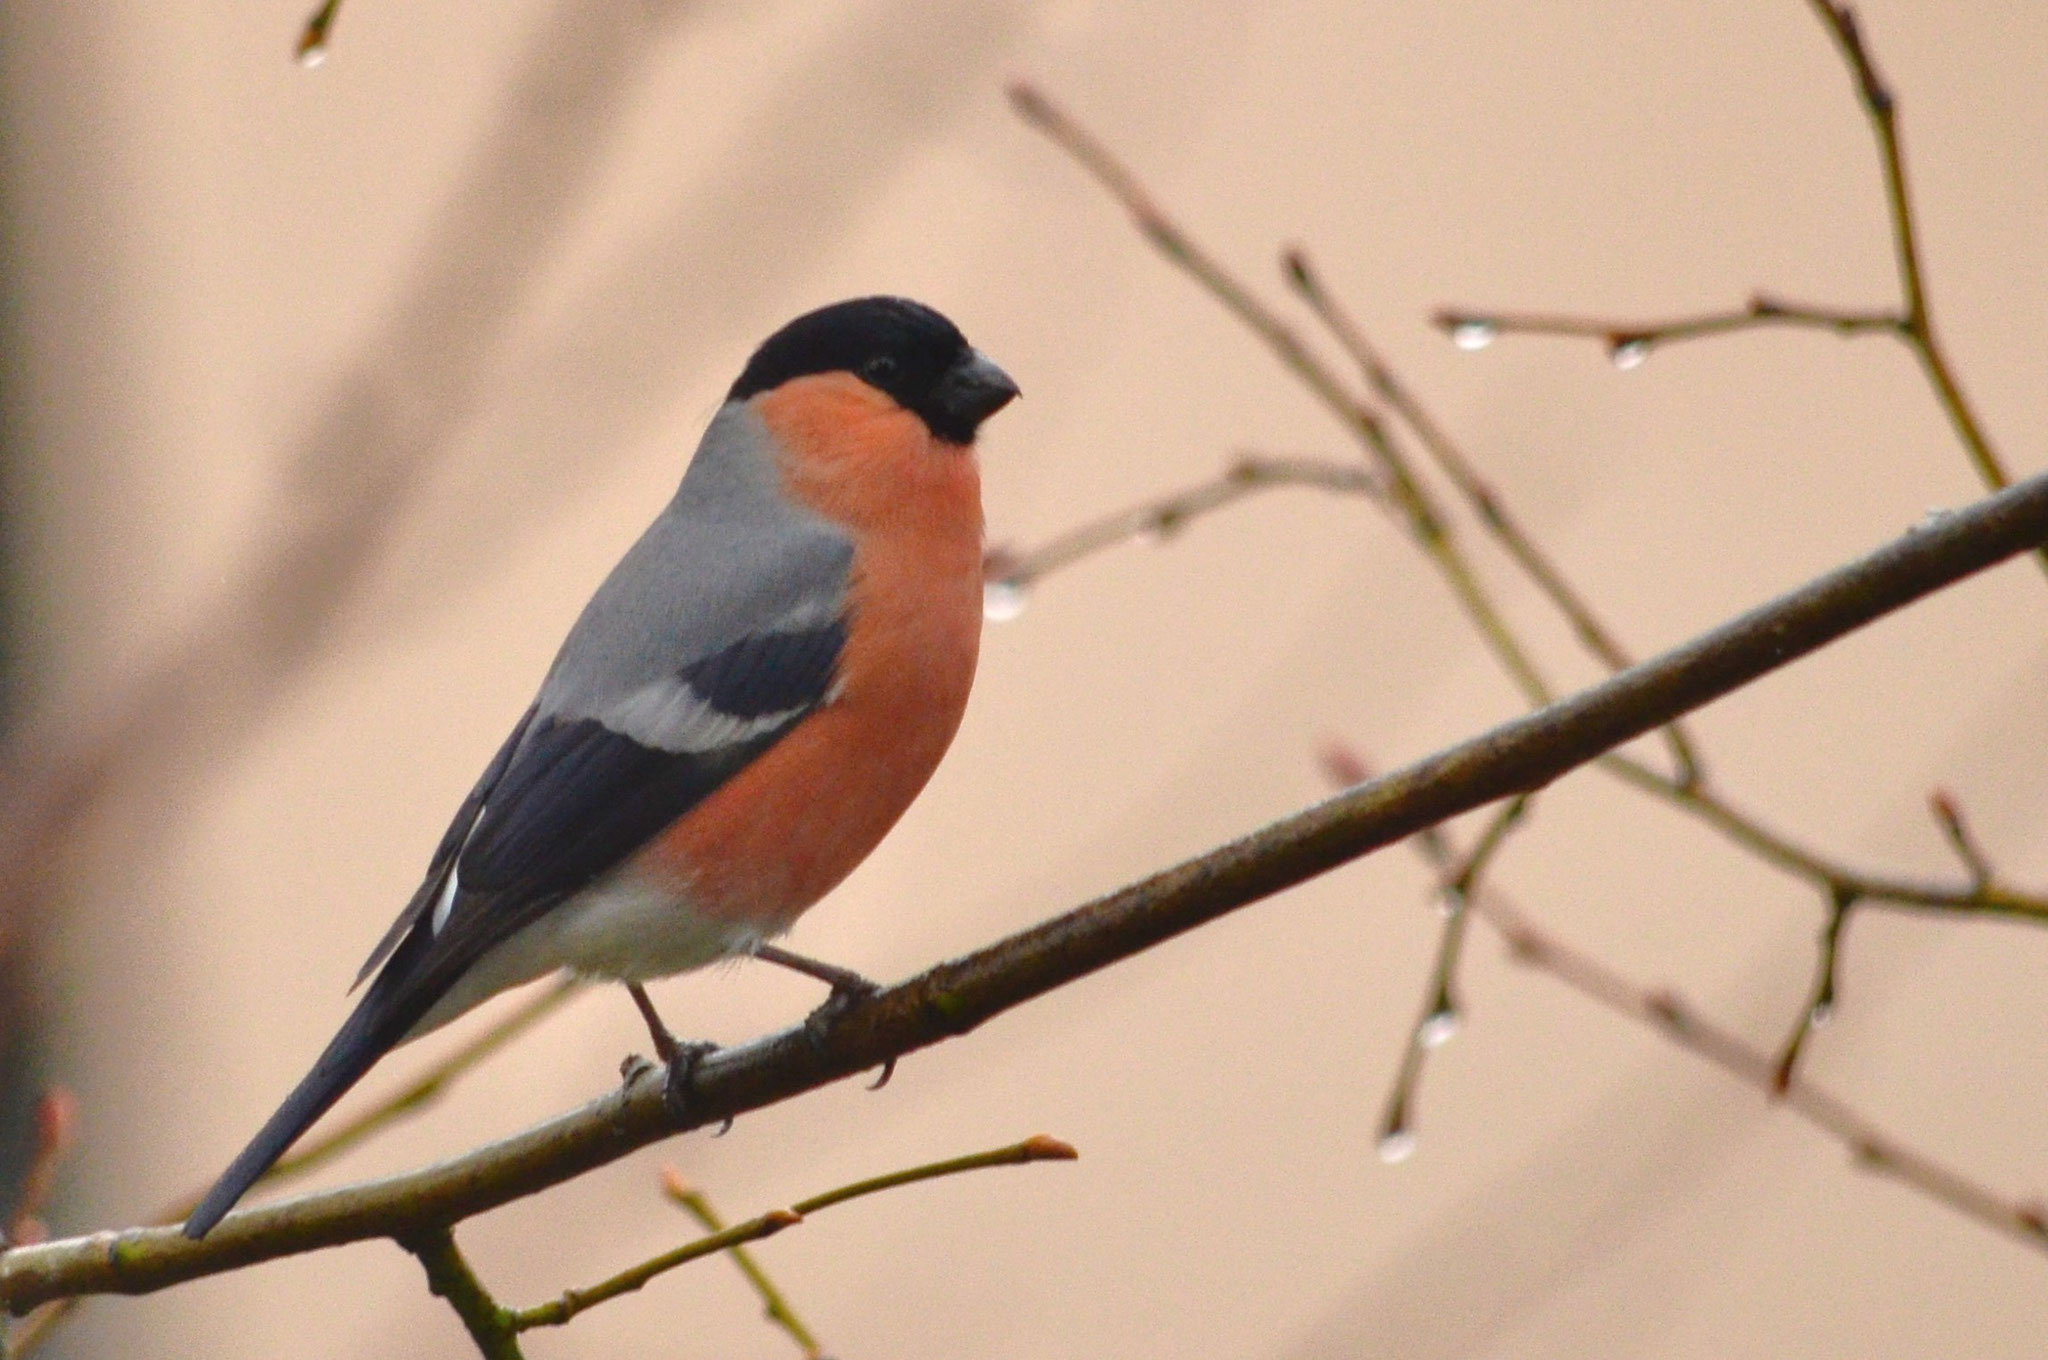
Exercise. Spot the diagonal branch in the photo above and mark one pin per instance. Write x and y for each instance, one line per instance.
(556, 1312)
(1442, 1012)
(1686, 789)
(1820, 1002)
(1669, 1015)
(491, 1326)
(775, 1305)
(1629, 342)
(955, 997)
(1426, 523)
(1881, 107)
(311, 47)
(331, 1143)
(1485, 502)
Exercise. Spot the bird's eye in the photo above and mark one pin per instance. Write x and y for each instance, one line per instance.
(879, 369)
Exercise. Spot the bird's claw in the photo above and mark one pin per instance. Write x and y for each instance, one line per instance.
(679, 1092)
(845, 996)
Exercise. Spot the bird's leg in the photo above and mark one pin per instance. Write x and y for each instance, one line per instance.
(844, 982)
(666, 1045)
(680, 1056)
(847, 987)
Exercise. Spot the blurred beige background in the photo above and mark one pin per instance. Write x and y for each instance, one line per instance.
(501, 261)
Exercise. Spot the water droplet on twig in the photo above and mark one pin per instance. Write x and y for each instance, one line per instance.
(1002, 600)
(1629, 353)
(1438, 1028)
(1396, 1146)
(1474, 335)
(311, 48)
(1820, 1013)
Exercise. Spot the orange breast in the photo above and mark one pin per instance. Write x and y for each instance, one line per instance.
(786, 830)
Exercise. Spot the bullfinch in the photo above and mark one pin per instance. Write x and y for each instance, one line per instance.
(745, 707)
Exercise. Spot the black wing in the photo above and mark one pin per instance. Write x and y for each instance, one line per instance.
(565, 800)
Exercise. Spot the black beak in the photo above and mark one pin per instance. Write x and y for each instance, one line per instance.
(971, 391)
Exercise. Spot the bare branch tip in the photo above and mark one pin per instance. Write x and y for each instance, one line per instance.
(1525, 946)
(1669, 1010)
(1294, 261)
(1030, 102)
(1045, 1148)
(1342, 764)
(56, 1128)
(311, 48)
(1788, 1063)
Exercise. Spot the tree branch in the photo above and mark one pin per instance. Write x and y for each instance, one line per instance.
(1247, 475)
(492, 1327)
(331, 1143)
(311, 47)
(1881, 107)
(1820, 1003)
(953, 998)
(1630, 342)
(1441, 1012)
(1686, 789)
(1485, 503)
(556, 1312)
(1948, 813)
(1425, 522)
(774, 1306)
(1669, 1015)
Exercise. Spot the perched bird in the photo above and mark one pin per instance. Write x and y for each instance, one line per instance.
(752, 698)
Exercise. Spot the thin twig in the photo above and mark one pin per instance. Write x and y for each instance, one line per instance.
(1882, 109)
(1485, 502)
(1820, 1003)
(555, 1312)
(56, 1127)
(1686, 789)
(311, 47)
(491, 1326)
(316, 1152)
(1442, 1012)
(1247, 475)
(1948, 814)
(558, 1311)
(1630, 342)
(775, 1305)
(1667, 1014)
(1411, 500)
(1803, 862)
(952, 998)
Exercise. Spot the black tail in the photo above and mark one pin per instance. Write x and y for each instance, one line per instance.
(367, 1035)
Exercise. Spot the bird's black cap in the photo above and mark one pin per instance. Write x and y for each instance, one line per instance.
(901, 347)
